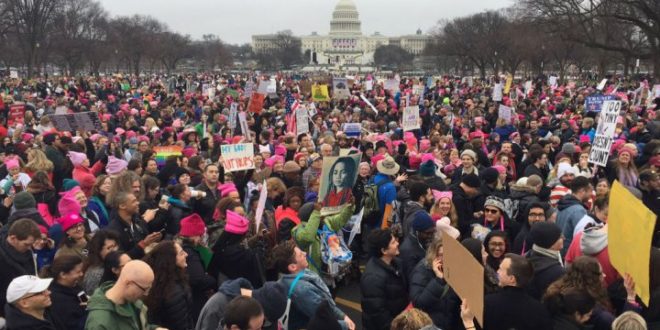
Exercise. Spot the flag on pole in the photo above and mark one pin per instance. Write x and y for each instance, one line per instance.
(290, 107)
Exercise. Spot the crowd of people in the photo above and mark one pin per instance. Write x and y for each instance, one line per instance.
(99, 231)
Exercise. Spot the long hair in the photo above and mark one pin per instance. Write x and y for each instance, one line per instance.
(583, 274)
(432, 251)
(38, 161)
(40, 183)
(349, 168)
(96, 189)
(452, 215)
(167, 274)
(627, 175)
(95, 245)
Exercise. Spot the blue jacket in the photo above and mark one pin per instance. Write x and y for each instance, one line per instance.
(386, 192)
(570, 213)
(307, 295)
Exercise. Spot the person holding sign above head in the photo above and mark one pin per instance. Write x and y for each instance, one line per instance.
(340, 188)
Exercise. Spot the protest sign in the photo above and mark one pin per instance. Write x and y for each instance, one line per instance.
(656, 91)
(410, 118)
(302, 120)
(338, 177)
(249, 89)
(81, 121)
(257, 103)
(312, 109)
(601, 85)
(340, 88)
(16, 114)
(237, 157)
(163, 152)
(369, 85)
(261, 205)
(497, 92)
(392, 85)
(505, 112)
(418, 89)
(600, 150)
(13, 74)
(262, 88)
(552, 81)
(631, 227)
(355, 223)
(464, 274)
(595, 103)
(528, 87)
(233, 115)
(507, 85)
(242, 120)
(352, 129)
(320, 93)
(368, 103)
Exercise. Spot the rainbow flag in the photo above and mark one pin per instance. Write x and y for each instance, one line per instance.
(163, 152)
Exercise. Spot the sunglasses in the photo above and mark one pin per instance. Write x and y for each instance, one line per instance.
(492, 211)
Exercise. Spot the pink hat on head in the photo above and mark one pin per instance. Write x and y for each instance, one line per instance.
(478, 120)
(68, 202)
(236, 224)
(143, 138)
(584, 138)
(124, 107)
(77, 158)
(69, 221)
(191, 226)
(414, 161)
(26, 137)
(270, 162)
(427, 156)
(189, 152)
(375, 159)
(226, 189)
(476, 135)
(115, 165)
(95, 137)
(12, 163)
(119, 131)
(500, 169)
(444, 224)
(438, 195)
(130, 134)
(135, 112)
(280, 150)
(106, 116)
(627, 150)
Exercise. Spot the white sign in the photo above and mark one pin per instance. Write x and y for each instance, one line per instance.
(261, 205)
(601, 85)
(233, 114)
(249, 89)
(237, 157)
(369, 85)
(340, 88)
(356, 220)
(312, 109)
(410, 118)
(368, 103)
(302, 120)
(505, 112)
(352, 129)
(242, 119)
(552, 81)
(528, 87)
(13, 74)
(497, 92)
(392, 85)
(418, 89)
(600, 150)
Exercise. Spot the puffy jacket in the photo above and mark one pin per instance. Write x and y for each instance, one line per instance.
(434, 296)
(31, 213)
(410, 208)
(66, 306)
(523, 196)
(236, 261)
(106, 315)
(411, 252)
(384, 294)
(386, 193)
(175, 312)
(570, 213)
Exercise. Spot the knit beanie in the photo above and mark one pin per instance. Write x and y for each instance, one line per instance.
(470, 153)
(24, 200)
(495, 201)
(422, 221)
(70, 220)
(236, 223)
(68, 184)
(471, 180)
(69, 203)
(272, 298)
(490, 175)
(77, 158)
(568, 148)
(115, 165)
(192, 225)
(427, 168)
(545, 234)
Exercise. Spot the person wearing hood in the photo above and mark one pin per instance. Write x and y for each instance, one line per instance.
(545, 257)
(271, 296)
(428, 170)
(464, 196)
(593, 242)
(572, 210)
(523, 241)
(524, 193)
(599, 215)
(83, 173)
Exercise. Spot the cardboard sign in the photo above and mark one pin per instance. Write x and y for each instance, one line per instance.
(261, 205)
(302, 120)
(600, 150)
(16, 114)
(242, 120)
(497, 92)
(83, 121)
(352, 129)
(249, 89)
(320, 93)
(338, 177)
(410, 118)
(233, 115)
(631, 226)
(464, 274)
(507, 85)
(163, 152)
(237, 157)
(340, 88)
(595, 103)
(257, 103)
(505, 112)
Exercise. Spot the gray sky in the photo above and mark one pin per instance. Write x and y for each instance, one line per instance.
(235, 21)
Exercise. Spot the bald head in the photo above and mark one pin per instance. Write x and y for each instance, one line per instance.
(136, 271)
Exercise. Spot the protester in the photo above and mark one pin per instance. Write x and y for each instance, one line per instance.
(28, 302)
(102, 243)
(545, 257)
(68, 297)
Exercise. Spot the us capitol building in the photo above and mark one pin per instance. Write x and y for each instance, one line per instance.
(345, 44)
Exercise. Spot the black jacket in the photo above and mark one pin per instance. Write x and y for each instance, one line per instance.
(129, 239)
(31, 213)
(513, 308)
(384, 294)
(465, 209)
(175, 312)
(236, 261)
(13, 264)
(411, 252)
(546, 271)
(201, 283)
(176, 213)
(206, 206)
(434, 296)
(66, 306)
(17, 320)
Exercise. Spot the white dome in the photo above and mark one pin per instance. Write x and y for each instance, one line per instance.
(345, 19)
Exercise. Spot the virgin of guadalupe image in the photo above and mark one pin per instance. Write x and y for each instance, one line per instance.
(340, 187)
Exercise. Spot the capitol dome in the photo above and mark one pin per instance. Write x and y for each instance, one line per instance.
(345, 19)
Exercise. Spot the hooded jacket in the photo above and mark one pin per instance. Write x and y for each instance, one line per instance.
(570, 213)
(434, 296)
(31, 213)
(214, 309)
(524, 196)
(546, 271)
(106, 315)
(410, 208)
(593, 242)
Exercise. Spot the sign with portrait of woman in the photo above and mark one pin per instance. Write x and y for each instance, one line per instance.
(337, 180)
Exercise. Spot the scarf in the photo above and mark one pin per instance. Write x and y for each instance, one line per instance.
(548, 253)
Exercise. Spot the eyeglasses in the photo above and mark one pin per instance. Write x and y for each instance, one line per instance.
(492, 211)
(42, 293)
(146, 290)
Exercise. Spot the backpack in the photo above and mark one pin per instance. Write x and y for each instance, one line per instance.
(334, 253)
(370, 203)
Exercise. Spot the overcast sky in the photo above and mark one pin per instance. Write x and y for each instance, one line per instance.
(235, 21)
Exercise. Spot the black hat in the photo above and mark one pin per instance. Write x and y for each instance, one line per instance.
(471, 180)
(272, 298)
(305, 211)
(381, 144)
(490, 175)
(545, 234)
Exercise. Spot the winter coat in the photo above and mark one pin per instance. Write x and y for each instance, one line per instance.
(561, 322)
(214, 309)
(384, 293)
(513, 308)
(237, 260)
(13, 264)
(570, 213)
(31, 213)
(66, 306)
(178, 211)
(546, 271)
(97, 205)
(200, 281)
(465, 209)
(206, 206)
(128, 240)
(593, 243)
(434, 296)
(411, 252)
(524, 197)
(410, 208)
(17, 320)
(386, 194)
(106, 315)
(175, 312)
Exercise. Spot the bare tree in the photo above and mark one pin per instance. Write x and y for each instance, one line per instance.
(133, 38)
(172, 48)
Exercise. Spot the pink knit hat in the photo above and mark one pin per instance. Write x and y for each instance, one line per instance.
(236, 224)
(438, 195)
(77, 158)
(12, 163)
(427, 156)
(115, 165)
(226, 189)
(270, 162)
(500, 169)
(70, 220)
(280, 150)
(69, 203)
(192, 225)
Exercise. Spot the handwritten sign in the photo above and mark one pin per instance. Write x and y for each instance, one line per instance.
(237, 157)
(600, 150)
(16, 114)
(497, 92)
(340, 88)
(302, 120)
(261, 205)
(242, 120)
(257, 103)
(505, 112)
(411, 118)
